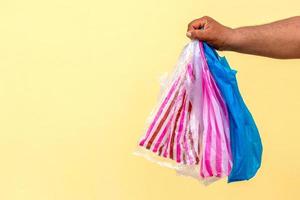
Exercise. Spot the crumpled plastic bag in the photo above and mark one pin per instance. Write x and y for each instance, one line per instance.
(190, 129)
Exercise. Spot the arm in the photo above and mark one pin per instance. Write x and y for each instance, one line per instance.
(280, 39)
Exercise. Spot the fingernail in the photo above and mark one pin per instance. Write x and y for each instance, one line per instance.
(189, 34)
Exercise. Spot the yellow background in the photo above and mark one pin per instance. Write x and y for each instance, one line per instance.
(79, 78)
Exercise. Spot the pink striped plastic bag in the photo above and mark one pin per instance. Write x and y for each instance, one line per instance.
(188, 130)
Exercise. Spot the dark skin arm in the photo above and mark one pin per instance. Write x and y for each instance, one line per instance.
(279, 39)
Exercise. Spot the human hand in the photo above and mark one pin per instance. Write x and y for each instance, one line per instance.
(209, 30)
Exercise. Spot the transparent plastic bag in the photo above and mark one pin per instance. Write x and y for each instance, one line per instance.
(188, 130)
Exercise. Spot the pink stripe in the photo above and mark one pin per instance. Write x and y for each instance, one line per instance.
(165, 152)
(186, 149)
(164, 145)
(207, 151)
(184, 133)
(218, 146)
(180, 130)
(208, 131)
(190, 71)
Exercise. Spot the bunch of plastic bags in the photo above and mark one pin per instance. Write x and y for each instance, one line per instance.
(201, 126)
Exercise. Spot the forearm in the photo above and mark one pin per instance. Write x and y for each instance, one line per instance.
(280, 39)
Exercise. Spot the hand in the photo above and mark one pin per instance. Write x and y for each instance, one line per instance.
(210, 31)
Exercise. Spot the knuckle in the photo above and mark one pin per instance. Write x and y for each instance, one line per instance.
(207, 18)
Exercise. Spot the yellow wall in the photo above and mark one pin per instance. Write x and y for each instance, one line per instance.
(79, 78)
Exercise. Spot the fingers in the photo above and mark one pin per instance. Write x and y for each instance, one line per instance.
(197, 34)
(196, 29)
(198, 23)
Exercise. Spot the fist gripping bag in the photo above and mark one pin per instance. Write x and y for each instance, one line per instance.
(189, 129)
(246, 144)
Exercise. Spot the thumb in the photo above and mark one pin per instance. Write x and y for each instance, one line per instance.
(197, 34)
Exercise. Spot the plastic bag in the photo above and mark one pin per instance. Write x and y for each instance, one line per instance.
(244, 136)
(189, 129)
